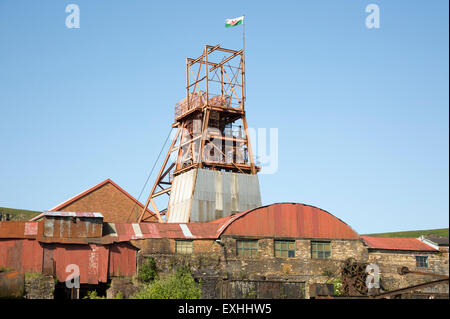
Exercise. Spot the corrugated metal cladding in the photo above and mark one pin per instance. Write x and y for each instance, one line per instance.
(72, 225)
(122, 260)
(18, 229)
(21, 254)
(92, 261)
(125, 232)
(24, 247)
(287, 220)
(95, 262)
(202, 195)
(396, 243)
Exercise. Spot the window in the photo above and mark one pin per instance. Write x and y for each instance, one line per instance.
(422, 261)
(184, 247)
(320, 250)
(284, 248)
(247, 248)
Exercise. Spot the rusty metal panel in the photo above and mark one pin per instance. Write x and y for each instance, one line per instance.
(65, 255)
(122, 260)
(201, 230)
(396, 243)
(7, 247)
(12, 284)
(150, 230)
(72, 225)
(125, 232)
(21, 254)
(18, 229)
(92, 261)
(48, 262)
(98, 264)
(32, 256)
(287, 220)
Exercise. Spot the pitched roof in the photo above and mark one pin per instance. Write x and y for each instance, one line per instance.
(438, 240)
(88, 191)
(396, 243)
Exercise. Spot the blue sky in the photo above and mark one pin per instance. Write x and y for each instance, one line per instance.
(362, 114)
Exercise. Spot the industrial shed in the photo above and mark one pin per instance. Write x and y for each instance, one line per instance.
(61, 239)
(260, 248)
(394, 253)
(275, 251)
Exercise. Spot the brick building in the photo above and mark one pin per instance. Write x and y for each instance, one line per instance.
(107, 198)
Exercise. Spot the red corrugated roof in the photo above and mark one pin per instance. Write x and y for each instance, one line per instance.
(286, 220)
(396, 243)
(128, 231)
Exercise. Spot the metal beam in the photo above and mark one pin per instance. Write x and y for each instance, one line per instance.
(226, 60)
(162, 192)
(407, 289)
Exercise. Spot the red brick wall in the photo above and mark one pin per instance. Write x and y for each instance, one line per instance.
(115, 206)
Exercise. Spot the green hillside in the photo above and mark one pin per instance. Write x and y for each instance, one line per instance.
(443, 232)
(18, 214)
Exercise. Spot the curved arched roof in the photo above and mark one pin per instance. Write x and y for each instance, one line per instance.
(286, 220)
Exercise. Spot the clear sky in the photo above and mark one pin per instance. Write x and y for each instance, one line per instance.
(362, 114)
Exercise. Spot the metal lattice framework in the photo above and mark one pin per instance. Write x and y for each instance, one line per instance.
(212, 131)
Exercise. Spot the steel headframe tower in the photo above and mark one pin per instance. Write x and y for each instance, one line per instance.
(211, 142)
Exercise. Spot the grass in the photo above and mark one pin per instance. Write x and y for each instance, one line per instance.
(33, 275)
(19, 214)
(443, 232)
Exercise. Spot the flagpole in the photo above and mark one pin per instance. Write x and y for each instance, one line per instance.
(243, 59)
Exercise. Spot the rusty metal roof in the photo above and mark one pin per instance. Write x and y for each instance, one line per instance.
(73, 214)
(18, 229)
(277, 220)
(124, 231)
(35, 230)
(396, 243)
(286, 220)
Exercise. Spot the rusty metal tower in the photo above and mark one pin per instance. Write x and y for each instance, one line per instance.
(210, 158)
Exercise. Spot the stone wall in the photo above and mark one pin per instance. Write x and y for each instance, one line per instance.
(125, 285)
(216, 262)
(390, 261)
(39, 286)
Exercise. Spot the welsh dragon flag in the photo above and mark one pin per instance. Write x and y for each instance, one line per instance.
(234, 22)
